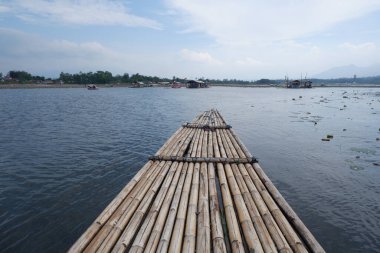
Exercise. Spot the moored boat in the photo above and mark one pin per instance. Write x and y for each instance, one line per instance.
(92, 87)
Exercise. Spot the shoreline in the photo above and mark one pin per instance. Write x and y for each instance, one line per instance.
(63, 86)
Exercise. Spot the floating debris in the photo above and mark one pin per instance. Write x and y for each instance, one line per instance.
(355, 167)
(357, 157)
(325, 139)
(345, 97)
(364, 151)
(300, 96)
(376, 164)
(330, 136)
(293, 99)
(344, 129)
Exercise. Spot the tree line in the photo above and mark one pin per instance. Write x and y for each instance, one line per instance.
(106, 77)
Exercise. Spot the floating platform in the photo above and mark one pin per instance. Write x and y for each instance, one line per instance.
(201, 192)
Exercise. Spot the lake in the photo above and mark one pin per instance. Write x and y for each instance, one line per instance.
(65, 153)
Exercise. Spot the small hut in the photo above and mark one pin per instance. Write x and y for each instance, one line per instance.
(294, 84)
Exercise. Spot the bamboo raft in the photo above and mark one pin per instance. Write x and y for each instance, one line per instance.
(201, 192)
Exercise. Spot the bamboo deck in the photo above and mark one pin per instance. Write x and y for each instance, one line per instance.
(201, 192)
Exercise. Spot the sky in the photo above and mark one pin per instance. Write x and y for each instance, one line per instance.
(242, 39)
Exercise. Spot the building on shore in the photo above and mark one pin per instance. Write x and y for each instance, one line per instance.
(196, 84)
(295, 84)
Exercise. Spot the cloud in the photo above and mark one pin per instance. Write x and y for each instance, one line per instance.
(195, 56)
(80, 12)
(367, 46)
(249, 21)
(30, 52)
(250, 62)
(4, 8)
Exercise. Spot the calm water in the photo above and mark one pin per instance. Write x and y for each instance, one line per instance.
(65, 153)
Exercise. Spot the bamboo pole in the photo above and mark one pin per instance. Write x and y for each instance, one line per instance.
(283, 223)
(210, 150)
(186, 143)
(158, 193)
(236, 145)
(232, 222)
(176, 142)
(90, 233)
(118, 227)
(159, 209)
(200, 142)
(279, 239)
(259, 225)
(220, 144)
(194, 144)
(249, 231)
(304, 232)
(225, 144)
(169, 141)
(215, 145)
(170, 219)
(191, 217)
(203, 226)
(217, 233)
(179, 226)
(113, 223)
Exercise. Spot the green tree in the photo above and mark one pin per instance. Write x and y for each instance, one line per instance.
(125, 78)
(21, 76)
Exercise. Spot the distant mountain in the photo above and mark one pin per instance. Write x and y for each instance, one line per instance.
(350, 71)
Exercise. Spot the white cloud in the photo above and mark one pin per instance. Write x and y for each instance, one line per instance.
(250, 62)
(367, 46)
(195, 56)
(4, 8)
(80, 12)
(248, 21)
(26, 51)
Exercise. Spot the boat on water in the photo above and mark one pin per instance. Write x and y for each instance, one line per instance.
(176, 85)
(92, 87)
